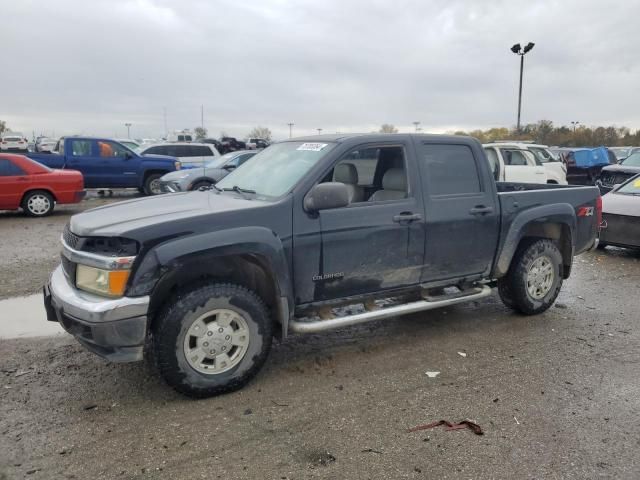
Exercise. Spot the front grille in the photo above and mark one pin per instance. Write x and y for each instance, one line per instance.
(71, 239)
(613, 178)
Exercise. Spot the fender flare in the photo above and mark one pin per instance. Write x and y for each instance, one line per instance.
(559, 213)
(261, 242)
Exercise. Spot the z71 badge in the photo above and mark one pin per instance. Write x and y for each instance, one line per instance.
(327, 276)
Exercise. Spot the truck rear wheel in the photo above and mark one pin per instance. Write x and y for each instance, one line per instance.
(211, 339)
(534, 278)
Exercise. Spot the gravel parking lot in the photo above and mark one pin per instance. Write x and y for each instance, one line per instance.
(557, 395)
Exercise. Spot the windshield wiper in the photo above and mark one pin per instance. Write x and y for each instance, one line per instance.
(239, 190)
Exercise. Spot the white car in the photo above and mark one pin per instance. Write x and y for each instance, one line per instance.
(45, 145)
(13, 142)
(556, 169)
(511, 163)
(190, 154)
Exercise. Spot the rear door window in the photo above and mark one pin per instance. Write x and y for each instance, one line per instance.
(451, 170)
(80, 148)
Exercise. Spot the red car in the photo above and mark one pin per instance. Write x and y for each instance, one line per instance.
(35, 188)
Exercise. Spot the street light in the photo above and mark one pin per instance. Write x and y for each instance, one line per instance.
(416, 125)
(521, 52)
(319, 130)
(290, 128)
(574, 124)
(128, 125)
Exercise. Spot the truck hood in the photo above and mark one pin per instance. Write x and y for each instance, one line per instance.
(119, 218)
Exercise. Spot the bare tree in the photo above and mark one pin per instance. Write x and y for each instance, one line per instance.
(3, 127)
(388, 128)
(260, 132)
(200, 133)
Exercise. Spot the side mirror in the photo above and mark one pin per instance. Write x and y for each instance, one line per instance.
(128, 156)
(325, 196)
(229, 167)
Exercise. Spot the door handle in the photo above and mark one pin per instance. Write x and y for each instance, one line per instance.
(23, 179)
(406, 217)
(480, 210)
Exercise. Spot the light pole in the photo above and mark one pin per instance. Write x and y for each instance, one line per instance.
(416, 125)
(574, 124)
(290, 128)
(128, 125)
(521, 52)
(319, 130)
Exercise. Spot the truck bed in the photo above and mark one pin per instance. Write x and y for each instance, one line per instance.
(515, 198)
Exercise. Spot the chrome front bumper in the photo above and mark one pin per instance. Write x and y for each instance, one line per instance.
(112, 328)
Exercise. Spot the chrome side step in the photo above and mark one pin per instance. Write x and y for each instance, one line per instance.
(395, 311)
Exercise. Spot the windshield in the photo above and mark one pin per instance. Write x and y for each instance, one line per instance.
(276, 170)
(219, 161)
(632, 187)
(632, 160)
(620, 152)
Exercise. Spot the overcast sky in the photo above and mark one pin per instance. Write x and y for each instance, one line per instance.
(78, 66)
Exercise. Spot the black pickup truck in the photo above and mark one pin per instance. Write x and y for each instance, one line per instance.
(389, 224)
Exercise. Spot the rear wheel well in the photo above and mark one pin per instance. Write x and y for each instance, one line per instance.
(559, 233)
(247, 270)
(38, 190)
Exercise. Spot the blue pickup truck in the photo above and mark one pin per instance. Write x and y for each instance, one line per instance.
(105, 163)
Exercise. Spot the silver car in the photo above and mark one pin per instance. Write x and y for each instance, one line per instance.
(211, 173)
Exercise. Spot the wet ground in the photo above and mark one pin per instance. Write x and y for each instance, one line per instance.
(557, 395)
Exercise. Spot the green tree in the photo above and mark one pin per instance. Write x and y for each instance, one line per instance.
(388, 128)
(200, 133)
(260, 132)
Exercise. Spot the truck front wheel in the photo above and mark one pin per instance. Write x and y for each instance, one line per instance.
(211, 339)
(534, 279)
(152, 184)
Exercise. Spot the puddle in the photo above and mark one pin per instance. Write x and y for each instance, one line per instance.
(22, 317)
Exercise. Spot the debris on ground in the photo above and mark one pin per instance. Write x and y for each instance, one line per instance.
(517, 422)
(462, 354)
(432, 374)
(474, 427)
(371, 450)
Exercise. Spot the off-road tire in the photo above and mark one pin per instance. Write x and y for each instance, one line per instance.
(30, 208)
(504, 291)
(515, 288)
(174, 320)
(147, 189)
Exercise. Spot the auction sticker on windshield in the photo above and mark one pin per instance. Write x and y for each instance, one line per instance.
(312, 147)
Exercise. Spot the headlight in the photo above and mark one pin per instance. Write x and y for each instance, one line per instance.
(178, 165)
(110, 283)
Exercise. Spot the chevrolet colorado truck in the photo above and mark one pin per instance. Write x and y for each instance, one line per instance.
(106, 163)
(387, 224)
